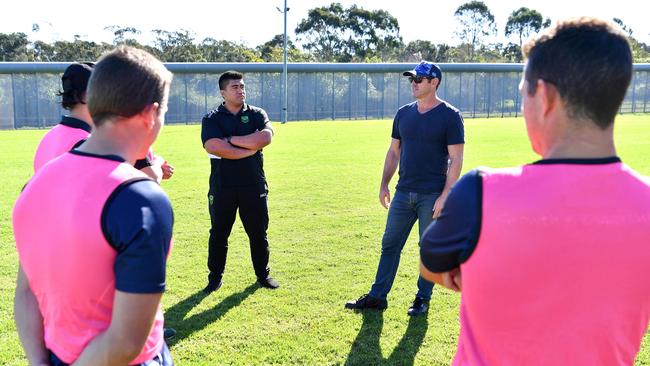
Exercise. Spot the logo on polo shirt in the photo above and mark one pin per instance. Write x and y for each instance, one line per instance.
(244, 119)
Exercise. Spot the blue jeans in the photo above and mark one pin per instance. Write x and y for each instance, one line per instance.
(405, 209)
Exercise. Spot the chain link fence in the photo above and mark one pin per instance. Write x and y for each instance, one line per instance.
(28, 91)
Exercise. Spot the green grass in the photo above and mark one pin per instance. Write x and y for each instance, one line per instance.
(325, 231)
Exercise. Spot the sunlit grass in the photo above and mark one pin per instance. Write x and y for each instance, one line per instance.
(325, 231)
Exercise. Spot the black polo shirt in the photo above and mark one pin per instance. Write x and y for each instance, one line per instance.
(220, 123)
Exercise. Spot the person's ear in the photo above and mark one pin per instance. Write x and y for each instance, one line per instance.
(549, 96)
(149, 114)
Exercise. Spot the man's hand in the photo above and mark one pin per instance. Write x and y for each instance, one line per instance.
(384, 196)
(133, 317)
(167, 170)
(29, 321)
(438, 205)
(453, 280)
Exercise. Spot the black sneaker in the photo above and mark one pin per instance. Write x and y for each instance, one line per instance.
(420, 307)
(367, 302)
(268, 282)
(169, 333)
(212, 287)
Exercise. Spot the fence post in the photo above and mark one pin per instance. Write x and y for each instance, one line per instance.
(502, 94)
(517, 109)
(645, 91)
(383, 91)
(205, 92)
(489, 92)
(634, 91)
(349, 95)
(366, 96)
(333, 97)
(474, 99)
(399, 92)
(13, 97)
(187, 113)
(39, 121)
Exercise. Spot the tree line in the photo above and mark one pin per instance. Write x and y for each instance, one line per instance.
(330, 33)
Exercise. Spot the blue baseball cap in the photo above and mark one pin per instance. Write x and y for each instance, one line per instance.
(425, 69)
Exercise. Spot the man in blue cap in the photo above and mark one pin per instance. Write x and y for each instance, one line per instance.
(427, 144)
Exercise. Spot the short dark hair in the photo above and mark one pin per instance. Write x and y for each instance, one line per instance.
(124, 81)
(589, 61)
(74, 83)
(227, 76)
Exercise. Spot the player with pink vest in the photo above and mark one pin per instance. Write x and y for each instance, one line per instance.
(76, 127)
(552, 257)
(93, 233)
(73, 128)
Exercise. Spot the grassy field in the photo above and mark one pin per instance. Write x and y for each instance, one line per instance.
(325, 230)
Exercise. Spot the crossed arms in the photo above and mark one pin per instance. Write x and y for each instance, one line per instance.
(239, 147)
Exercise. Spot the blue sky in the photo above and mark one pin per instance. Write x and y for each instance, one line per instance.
(256, 21)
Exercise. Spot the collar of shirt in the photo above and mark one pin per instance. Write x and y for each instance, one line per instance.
(75, 123)
(222, 109)
(92, 155)
(588, 161)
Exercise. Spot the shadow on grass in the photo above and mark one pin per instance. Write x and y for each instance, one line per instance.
(366, 349)
(175, 315)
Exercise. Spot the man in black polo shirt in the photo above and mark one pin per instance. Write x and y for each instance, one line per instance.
(234, 135)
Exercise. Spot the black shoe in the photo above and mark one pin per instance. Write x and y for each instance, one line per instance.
(169, 333)
(212, 287)
(420, 307)
(268, 282)
(367, 302)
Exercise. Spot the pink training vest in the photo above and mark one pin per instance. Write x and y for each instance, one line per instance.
(561, 271)
(60, 139)
(63, 251)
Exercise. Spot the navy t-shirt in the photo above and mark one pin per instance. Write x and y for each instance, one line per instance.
(220, 123)
(424, 138)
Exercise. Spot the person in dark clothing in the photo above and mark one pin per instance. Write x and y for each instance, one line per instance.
(234, 134)
(427, 144)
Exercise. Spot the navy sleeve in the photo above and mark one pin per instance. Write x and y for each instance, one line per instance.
(210, 128)
(137, 221)
(395, 133)
(451, 239)
(142, 163)
(455, 129)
